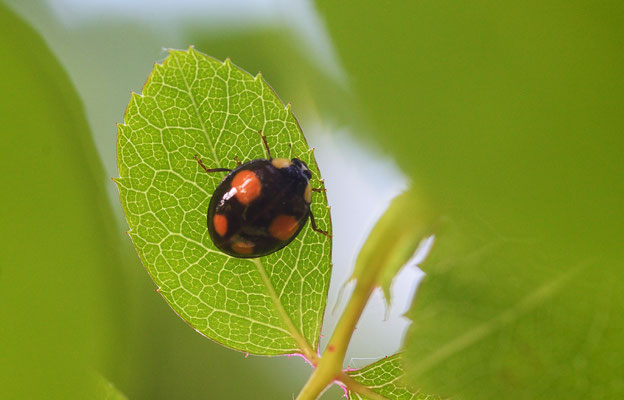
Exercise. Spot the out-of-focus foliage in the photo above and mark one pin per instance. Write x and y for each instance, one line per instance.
(394, 240)
(58, 246)
(107, 391)
(508, 116)
(295, 75)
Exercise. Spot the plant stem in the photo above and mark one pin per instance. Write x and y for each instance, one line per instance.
(329, 367)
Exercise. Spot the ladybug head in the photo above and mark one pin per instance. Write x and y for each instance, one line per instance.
(303, 167)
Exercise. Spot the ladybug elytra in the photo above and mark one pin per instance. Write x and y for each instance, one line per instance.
(260, 206)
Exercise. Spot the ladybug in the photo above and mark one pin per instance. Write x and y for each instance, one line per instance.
(260, 206)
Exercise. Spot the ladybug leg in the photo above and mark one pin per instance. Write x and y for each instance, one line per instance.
(315, 228)
(266, 145)
(238, 163)
(209, 170)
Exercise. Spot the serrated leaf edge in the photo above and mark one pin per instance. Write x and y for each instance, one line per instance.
(305, 347)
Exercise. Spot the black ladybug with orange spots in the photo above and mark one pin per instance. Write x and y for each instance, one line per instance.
(260, 206)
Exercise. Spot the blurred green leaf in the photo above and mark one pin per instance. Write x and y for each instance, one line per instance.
(193, 104)
(386, 378)
(107, 391)
(509, 118)
(59, 249)
(294, 72)
(394, 240)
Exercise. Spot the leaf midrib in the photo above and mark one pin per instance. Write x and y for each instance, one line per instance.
(196, 108)
(303, 344)
(483, 330)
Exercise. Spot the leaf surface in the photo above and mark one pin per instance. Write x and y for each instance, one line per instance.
(107, 391)
(394, 240)
(385, 377)
(60, 260)
(193, 104)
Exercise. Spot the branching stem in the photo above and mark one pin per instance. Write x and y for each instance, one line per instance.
(329, 366)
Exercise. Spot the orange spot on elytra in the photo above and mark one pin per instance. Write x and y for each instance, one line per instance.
(247, 186)
(220, 224)
(283, 227)
(243, 247)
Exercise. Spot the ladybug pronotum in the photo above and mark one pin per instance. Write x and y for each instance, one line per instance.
(260, 206)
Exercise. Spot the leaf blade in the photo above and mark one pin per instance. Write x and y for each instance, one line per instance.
(385, 377)
(193, 104)
(394, 240)
(60, 254)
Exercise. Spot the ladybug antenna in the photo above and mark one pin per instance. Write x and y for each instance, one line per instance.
(266, 145)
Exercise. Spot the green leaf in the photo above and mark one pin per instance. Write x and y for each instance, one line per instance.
(508, 117)
(107, 391)
(59, 244)
(512, 305)
(394, 240)
(385, 377)
(194, 104)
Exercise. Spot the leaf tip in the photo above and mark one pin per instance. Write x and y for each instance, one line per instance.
(175, 53)
(134, 98)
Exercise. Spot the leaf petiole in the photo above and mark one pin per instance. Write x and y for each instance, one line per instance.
(329, 366)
